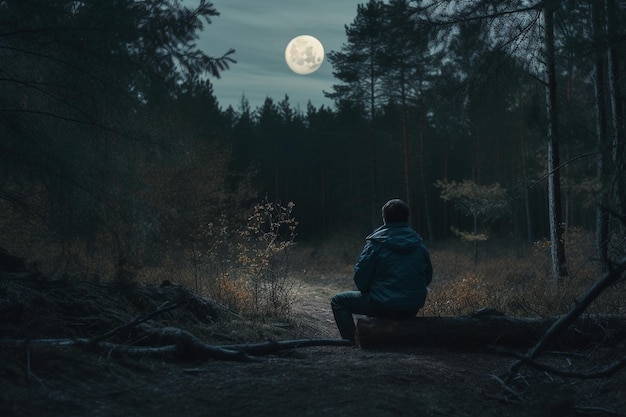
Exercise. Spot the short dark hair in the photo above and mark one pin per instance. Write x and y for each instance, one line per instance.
(395, 211)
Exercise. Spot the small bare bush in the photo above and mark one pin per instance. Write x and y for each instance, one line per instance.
(264, 257)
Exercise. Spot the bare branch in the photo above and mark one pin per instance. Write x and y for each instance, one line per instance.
(167, 306)
(605, 372)
(612, 276)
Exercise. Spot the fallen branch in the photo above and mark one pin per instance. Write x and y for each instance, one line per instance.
(605, 372)
(186, 346)
(271, 347)
(181, 344)
(505, 387)
(167, 306)
(564, 322)
(598, 411)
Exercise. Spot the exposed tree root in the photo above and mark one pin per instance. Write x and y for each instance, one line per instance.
(174, 343)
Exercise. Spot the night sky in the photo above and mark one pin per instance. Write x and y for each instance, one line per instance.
(259, 31)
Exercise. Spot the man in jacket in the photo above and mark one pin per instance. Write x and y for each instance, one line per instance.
(391, 274)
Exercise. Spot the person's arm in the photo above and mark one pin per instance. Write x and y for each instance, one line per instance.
(365, 268)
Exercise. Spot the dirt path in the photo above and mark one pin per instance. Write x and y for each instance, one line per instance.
(312, 301)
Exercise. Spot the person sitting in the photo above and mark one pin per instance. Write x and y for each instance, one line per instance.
(392, 273)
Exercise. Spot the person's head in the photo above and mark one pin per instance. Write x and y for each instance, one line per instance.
(395, 211)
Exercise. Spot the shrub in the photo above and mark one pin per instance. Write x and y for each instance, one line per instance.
(264, 256)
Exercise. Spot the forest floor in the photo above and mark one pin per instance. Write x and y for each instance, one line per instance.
(52, 380)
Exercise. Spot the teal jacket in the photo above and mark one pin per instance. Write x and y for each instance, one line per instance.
(394, 267)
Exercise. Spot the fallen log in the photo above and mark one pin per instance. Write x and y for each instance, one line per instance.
(179, 344)
(479, 330)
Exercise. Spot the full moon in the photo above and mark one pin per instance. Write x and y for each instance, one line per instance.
(304, 54)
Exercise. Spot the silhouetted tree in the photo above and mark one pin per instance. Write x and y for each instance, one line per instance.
(358, 66)
(79, 79)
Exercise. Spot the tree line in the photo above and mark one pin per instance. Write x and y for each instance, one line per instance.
(441, 102)
(492, 119)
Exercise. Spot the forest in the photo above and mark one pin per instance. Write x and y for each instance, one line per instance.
(501, 124)
(499, 121)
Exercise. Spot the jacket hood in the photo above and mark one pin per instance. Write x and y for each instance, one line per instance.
(398, 237)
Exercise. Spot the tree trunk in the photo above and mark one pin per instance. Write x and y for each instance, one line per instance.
(372, 98)
(481, 330)
(602, 216)
(617, 116)
(475, 231)
(405, 142)
(527, 215)
(422, 162)
(559, 264)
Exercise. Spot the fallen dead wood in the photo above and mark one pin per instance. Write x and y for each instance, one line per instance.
(138, 336)
(135, 322)
(184, 346)
(271, 347)
(565, 323)
(603, 372)
(194, 348)
(480, 330)
(179, 344)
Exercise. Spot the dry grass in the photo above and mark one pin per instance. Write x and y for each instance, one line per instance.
(507, 277)
(516, 283)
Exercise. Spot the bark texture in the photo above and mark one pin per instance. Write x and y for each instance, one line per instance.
(480, 330)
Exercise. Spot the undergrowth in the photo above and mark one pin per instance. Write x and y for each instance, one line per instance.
(510, 277)
(253, 269)
(517, 281)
